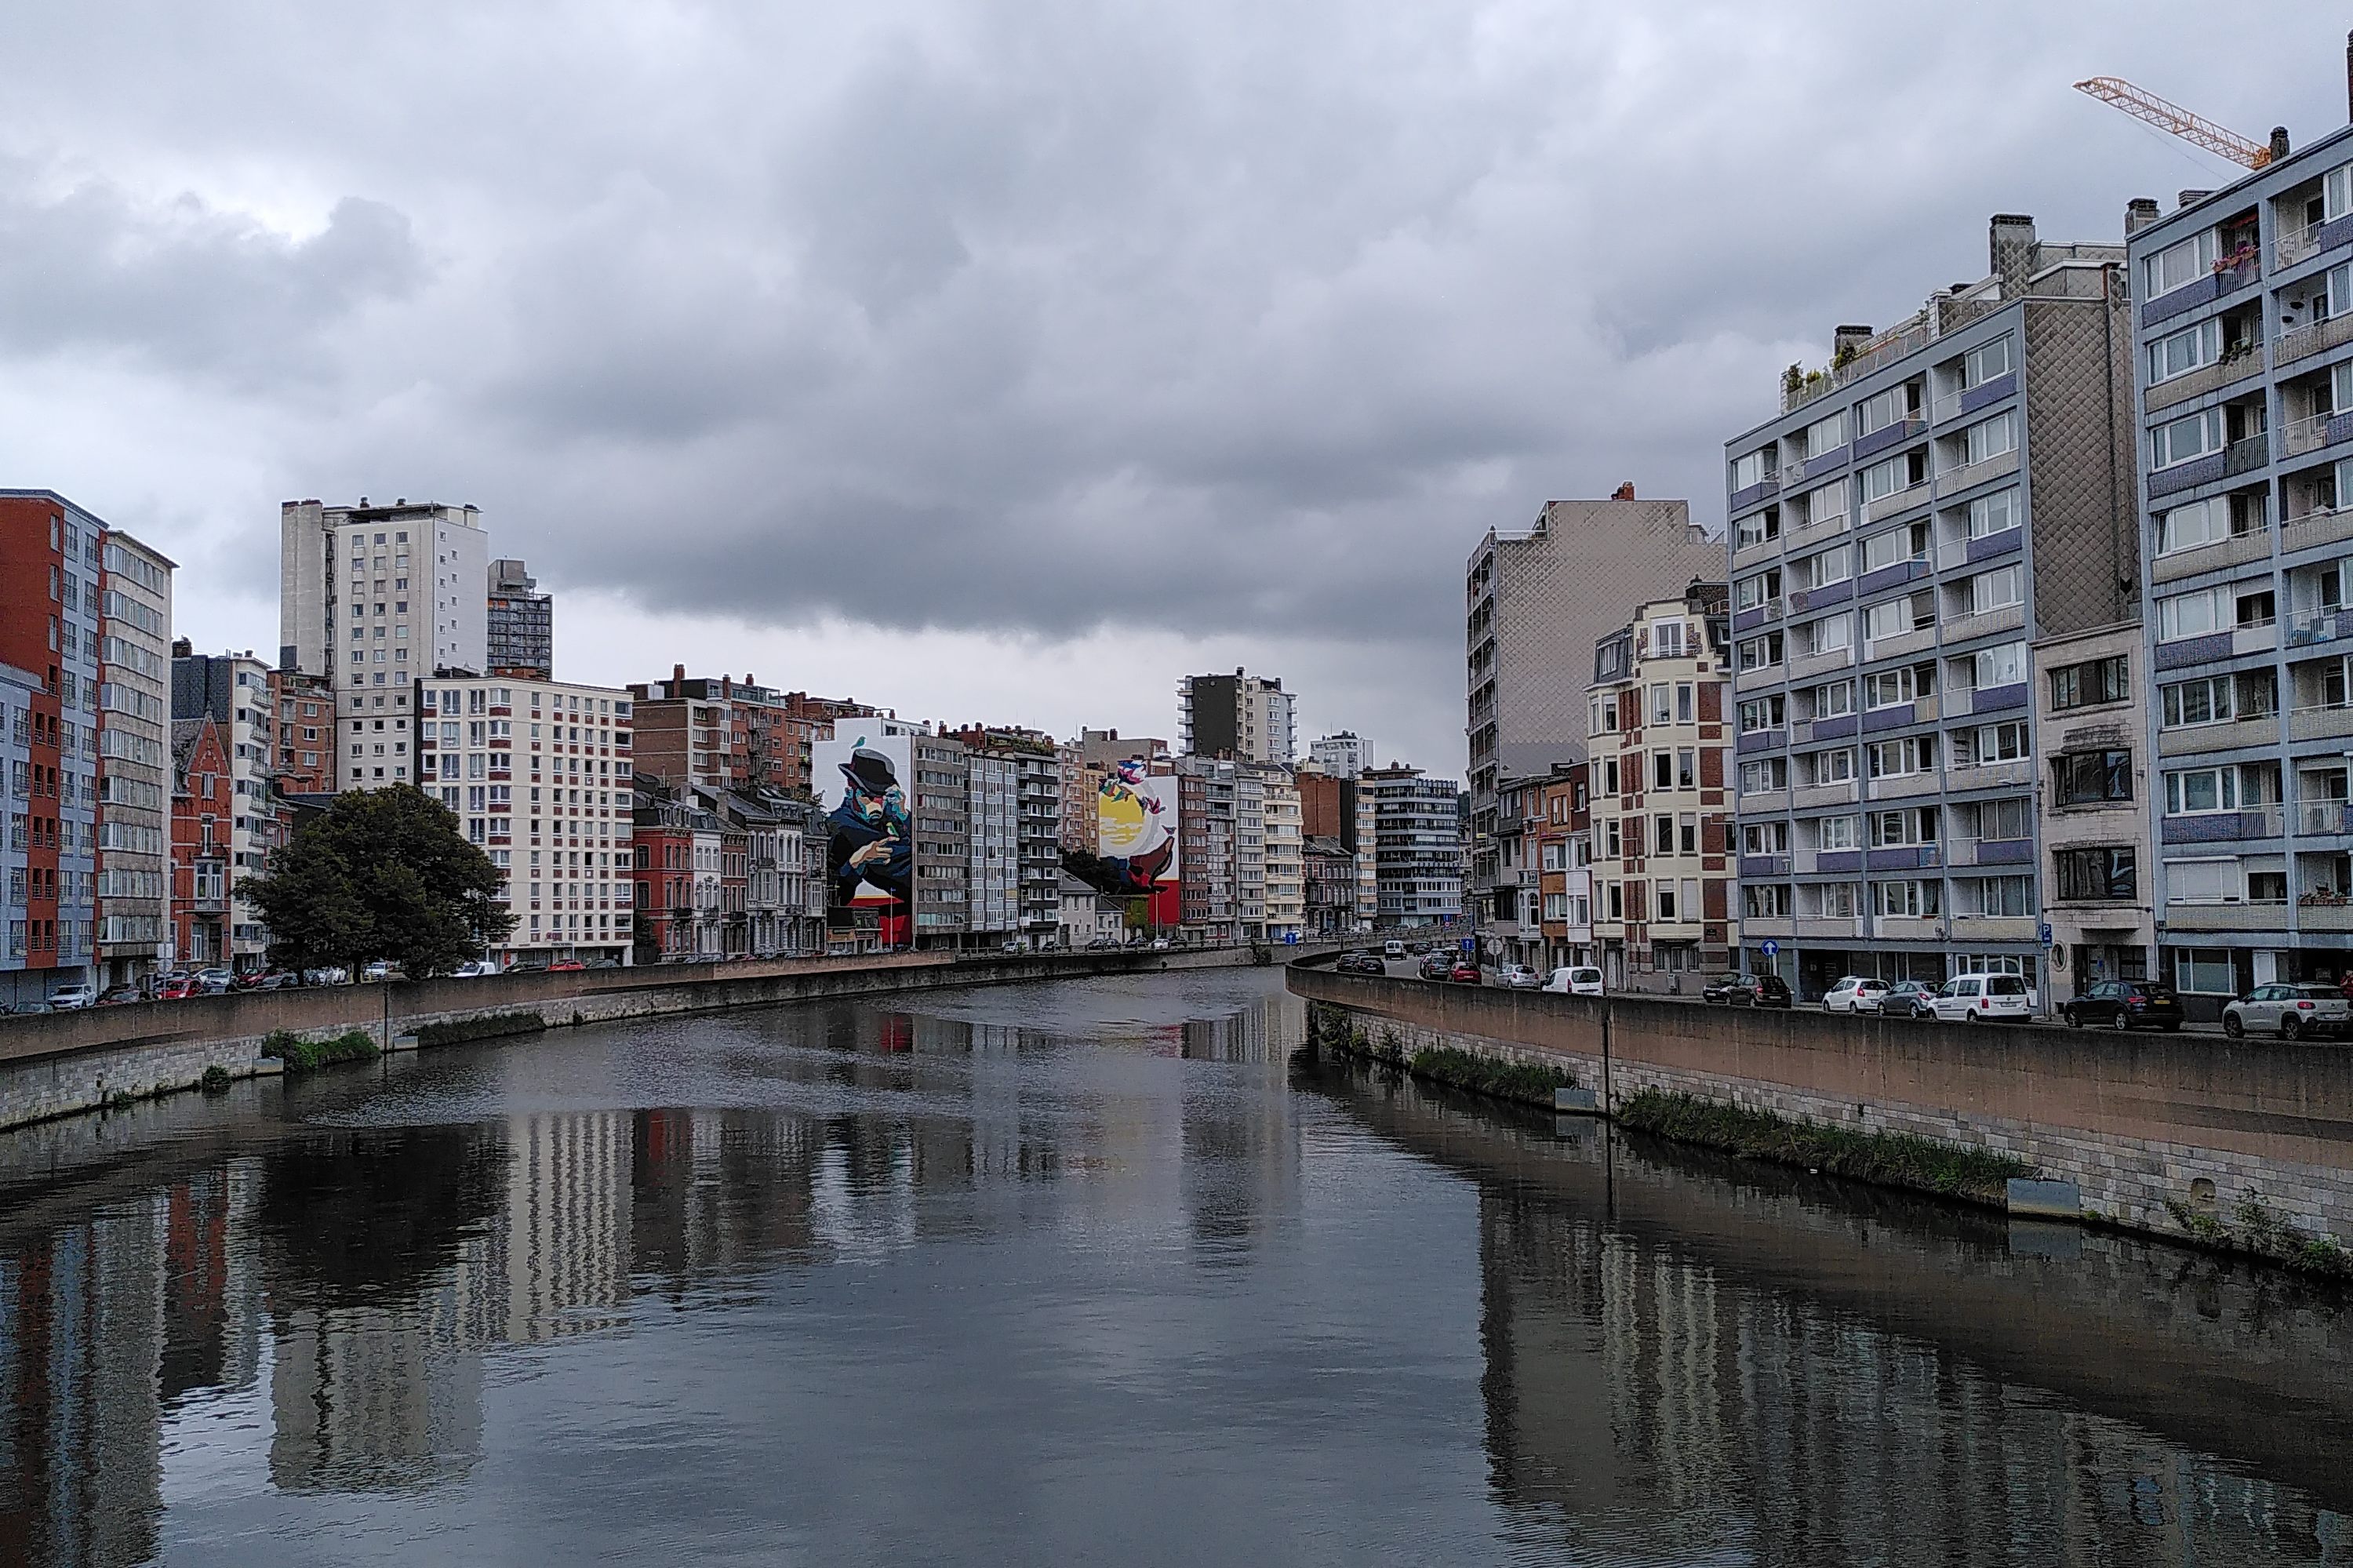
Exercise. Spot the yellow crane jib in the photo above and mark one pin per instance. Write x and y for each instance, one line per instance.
(2194, 129)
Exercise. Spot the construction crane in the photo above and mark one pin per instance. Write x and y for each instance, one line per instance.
(2194, 129)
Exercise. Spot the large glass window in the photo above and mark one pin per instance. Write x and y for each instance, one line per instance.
(2206, 700)
(1826, 434)
(2090, 778)
(1989, 438)
(2196, 790)
(2179, 353)
(2186, 439)
(1997, 589)
(2100, 875)
(1832, 698)
(2205, 971)
(2003, 664)
(1995, 514)
(1987, 361)
(2199, 613)
(2187, 527)
(2177, 266)
(1882, 409)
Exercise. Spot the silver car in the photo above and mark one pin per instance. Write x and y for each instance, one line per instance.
(2288, 1011)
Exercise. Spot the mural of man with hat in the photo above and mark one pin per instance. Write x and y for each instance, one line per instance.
(868, 831)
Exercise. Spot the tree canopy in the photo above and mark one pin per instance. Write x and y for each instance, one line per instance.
(382, 873)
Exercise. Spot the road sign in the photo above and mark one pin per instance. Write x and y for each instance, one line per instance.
(1470, 944)
(1290, 939)
(2043, 934)
(1769, 948)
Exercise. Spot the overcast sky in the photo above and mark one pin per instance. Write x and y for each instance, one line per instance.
(1006, 361)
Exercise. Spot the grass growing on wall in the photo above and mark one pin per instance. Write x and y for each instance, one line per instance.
(1330, 1028)
(489, 1026)
(2265, 1234)
(1889, 1159)
(303, 1055)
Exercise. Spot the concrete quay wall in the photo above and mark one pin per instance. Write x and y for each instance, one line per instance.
(2135, 1120)
(53, 1065)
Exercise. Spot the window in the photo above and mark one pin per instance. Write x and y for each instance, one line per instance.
(2006, 821)
(1760, 528)
(1909, 900)
(1764, 838)
(1827, 505)
(1992, 743)
(1900, 829)
(2186, 439)
(2188, 527)
(1989, 438)
(1834, 766)
(1751, 593)
(1766, 774)
(1748, 470)
(1994, 897)
(1686, 710)
(2100, 875)
(1766, 901)
(2204, 882)
(1885, 408)
(2004, 664)
(1987, 361)
(2204, 971)
(2336, 193)
(2206, 700)
(1762, 713)
(2196, 790)
(1897, 616)
(1997, 589)
(1662, 710)
(1662, 771)
(1884, 549)
(1821, 570)
(1995, 514)
(2179, 353)
(2199, 613)
(1881, 480)
(2176, 266)
(1832, 698)
(1895, 759)
(1891, 688)
(1666, 640)
(1760, 652)
(1826, 435)
(2086, 684)
(1831, 634)
(1836, 834)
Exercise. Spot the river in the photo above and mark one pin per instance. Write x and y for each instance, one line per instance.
(1090, 1272)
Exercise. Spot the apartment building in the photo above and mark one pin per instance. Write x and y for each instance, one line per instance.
(1083, 763)
(51, 558)
(1286, 850)
(1328, 869)
(2094, 822)
(1510, 923)
(674, 872)
(232, 690)
(1241, 715)
(1562, 833)
(1534, 605)
(1206, 809)
(941, 813)
(1416, 838)
(784, 849)
(2244, 380)
(1367, 851)
(203, 805)
(1343, 755)
(1031, 771)
(1659, 749)
(375, 598)
(539, 775)
(134, 759)
(304, 728)
(730, 733)
(519, 625)
(993, 820)
(1922, 511)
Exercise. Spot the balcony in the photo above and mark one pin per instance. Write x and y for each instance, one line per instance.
(1764, 803)
(2305, 342)
(1813, 797)
(1903, 786)
(2262, 729)
(2246, 454)
(2013, 774)
(2228, 371)
(2252, 545)
(1993, 927)
(1901, 501)
(1822, 926)
(2322, 819)
(1904, 928)
(1763, 865)
(2224, 827)
(2265, 916)
(2320, 721)
(2225, 279)
(1952, 482)
(2329, 526)
(2309, 627)
(2310, 435)
(1904, 645)
(1968, 624)
(1805, 666)
(1753, 926)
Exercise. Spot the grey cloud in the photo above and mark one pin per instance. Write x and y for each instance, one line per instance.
(188, 286)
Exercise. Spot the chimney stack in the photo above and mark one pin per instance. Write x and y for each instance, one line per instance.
(2349, 75)
(2009, 243)
(1623, 492)
(677, 675)
(2139, 213)
(1843, 338)
(2279, 144)
(2188, 198)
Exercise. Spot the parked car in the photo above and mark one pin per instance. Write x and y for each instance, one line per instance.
(178, 988)
(1908, 998)
(606, 961)
(1360, 964)
(1749, 990)
(1575, 979)
(330, 974)
(1520, 977)
(73, 998)
(1465, 971)
(382, 970)
(116, 995)
(2127, 1004)
(475, 970)
(1970, 997)
(1854, 993)
(215, 981)
(267, 980)
(2290, 1012)
(1102, 944)
(1770, 990)
(1436, 967)
(1393, 948)
(1725, 988)
(1159, 944)
(565, 965)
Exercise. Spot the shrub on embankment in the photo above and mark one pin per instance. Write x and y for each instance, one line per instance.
(2266, 1235)
(301, 1055)
(1528, 1083)
(488, 1026)
(1889, 1159)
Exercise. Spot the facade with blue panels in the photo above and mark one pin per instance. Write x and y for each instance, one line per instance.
(1942, 495)
(2243, 392)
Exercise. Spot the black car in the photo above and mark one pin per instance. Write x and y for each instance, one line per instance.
(1437, 966)
(1908, 998)
(2127, 1004)
(1360, 964)
(1749, 990)
(1725, 988)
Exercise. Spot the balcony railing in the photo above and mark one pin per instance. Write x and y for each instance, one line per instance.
(2318, 431)
(2322, 817)
(2306, 340)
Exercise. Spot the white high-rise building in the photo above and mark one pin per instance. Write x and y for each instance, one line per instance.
(375, 598)
(1342, 755)
(1247, 717)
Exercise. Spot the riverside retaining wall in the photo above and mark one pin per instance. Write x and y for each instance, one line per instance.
(54, 1065)
(2135, 1120)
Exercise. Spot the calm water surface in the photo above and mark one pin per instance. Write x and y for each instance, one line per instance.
(1089, 1273)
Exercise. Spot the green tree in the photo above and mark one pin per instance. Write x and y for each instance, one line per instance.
(382, 874)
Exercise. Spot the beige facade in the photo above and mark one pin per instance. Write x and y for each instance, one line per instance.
(2099, 879)
(1658, 752)
(1286, 863)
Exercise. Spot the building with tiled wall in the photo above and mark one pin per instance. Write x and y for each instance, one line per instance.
(1921, 511)
(2244, 380)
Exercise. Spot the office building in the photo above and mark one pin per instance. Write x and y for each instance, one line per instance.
(1658, 748)
(519, 624)
(1922, 511)
(1244, 717)
(375, 598)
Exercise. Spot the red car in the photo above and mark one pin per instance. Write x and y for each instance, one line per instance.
(179, 989)
(1465, 972)
(562, 965)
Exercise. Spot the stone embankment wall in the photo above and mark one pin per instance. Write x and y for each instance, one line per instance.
(56, 1063)
(2150, 1126)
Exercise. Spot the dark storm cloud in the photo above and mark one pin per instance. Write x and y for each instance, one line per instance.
(182, 285)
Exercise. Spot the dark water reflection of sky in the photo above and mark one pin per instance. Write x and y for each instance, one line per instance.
(1093, 1272)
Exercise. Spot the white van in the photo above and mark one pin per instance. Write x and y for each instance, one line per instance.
(1971, 997)
(1393, 948)
(1576, 979)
